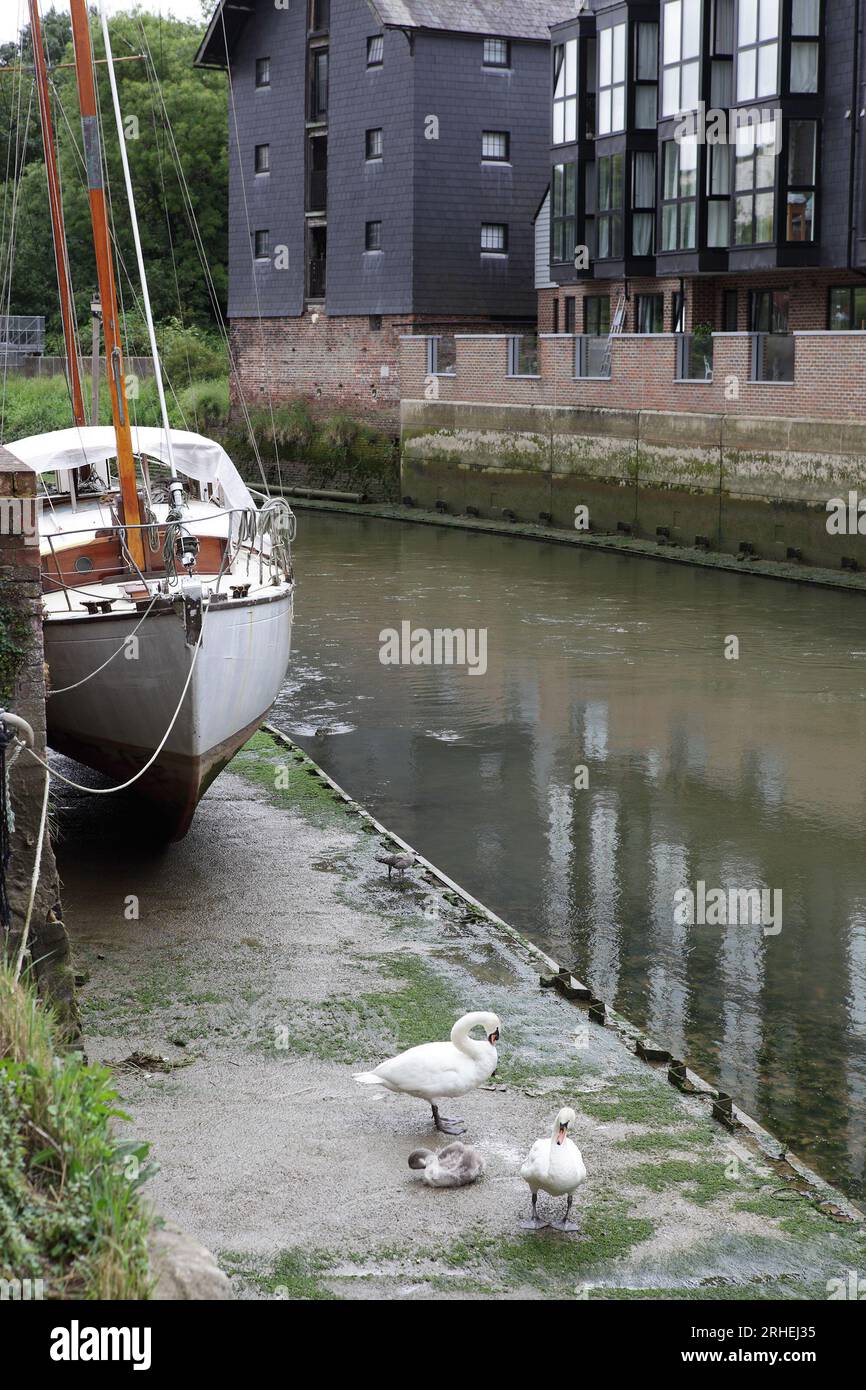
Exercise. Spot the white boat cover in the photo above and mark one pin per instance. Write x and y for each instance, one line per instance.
(194, 455)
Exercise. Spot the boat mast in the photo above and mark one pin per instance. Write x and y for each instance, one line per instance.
(175, 486)
(130, 509)
(61, 253)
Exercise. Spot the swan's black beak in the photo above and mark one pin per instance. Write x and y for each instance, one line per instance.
(493, 1038)
(563, 1130)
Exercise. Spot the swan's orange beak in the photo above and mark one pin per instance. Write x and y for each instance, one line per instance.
(493, 1037)
(563, 1130)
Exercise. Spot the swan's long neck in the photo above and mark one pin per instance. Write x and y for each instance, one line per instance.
(473, 1047)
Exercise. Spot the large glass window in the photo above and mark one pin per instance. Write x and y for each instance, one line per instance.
(805, 32)
(802, 156)
(770, 311)
(679, 195)
(643, 202)
(681, 56)
(610, 204)
(719, 161)
(848, 308)
(611, 79)
(755, 185)
(596, 315)
(757, 49)
(563, 224)
(565, 92)
(646, 76)
(650, 313)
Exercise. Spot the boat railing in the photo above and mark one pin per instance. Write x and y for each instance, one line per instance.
(267, 532)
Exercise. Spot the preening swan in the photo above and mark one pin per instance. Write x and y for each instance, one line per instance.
(437, 1071)
(554, 1165)
(457, 1165)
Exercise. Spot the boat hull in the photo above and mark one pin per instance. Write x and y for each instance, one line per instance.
(114, 722)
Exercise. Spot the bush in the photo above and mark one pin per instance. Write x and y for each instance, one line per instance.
(70, 1204)
(205, 404)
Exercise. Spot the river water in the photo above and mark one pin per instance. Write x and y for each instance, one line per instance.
(735, 773)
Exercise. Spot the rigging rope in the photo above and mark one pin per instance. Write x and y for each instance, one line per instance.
(109, 791)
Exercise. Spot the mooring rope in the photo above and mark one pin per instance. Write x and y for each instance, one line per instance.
(34, 882)
(109, 791)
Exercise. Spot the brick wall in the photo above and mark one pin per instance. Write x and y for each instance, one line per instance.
(809, 291)
(21, 602)
(830, 377)
(331, 363)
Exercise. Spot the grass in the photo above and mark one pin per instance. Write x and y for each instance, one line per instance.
(652, 1103)
(287, 779)
(294, 1274)
(701, 1182)
(71, 1212)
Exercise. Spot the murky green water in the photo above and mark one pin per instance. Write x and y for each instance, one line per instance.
(741, 774)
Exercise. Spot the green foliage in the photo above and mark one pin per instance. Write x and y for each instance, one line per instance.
(70, 1206)
(197, 113)
(14, 639)
(339, 451)
(205, 404)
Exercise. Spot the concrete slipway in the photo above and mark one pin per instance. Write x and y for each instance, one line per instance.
(273, 957)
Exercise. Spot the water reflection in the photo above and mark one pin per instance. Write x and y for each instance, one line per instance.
(738, 773)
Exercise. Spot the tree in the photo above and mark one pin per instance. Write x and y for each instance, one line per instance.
(196, 115)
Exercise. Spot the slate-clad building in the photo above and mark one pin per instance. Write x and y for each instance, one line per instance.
(387, 159)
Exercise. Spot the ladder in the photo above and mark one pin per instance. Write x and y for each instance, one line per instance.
(616, 328)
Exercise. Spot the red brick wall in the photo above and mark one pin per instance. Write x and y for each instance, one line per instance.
(830, 378)
(809, 290)
(331, 363)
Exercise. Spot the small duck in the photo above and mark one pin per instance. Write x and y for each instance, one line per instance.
(457, 1165)
(438, 1070)
(401, 862)
(554, 1165)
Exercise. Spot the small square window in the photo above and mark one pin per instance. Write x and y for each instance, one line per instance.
(262, 241)
(263, 72)
(494, 237)
(496, 145)
(375, 323)
(375, 144)
(373, 236)
(497, 53)
(263, 159)
(376, 51)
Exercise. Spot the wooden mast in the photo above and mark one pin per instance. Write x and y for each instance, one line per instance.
(61, 258)
(130, 510)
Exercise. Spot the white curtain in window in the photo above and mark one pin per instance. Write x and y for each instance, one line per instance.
(646, 106)
(642, 233)
(724, 26)
(647, 51)
(644, 181)
(806, 17)
(804, 67)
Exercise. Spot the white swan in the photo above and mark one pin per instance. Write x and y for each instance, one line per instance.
(554, 1165)
(436, 1071)
(457, 1165)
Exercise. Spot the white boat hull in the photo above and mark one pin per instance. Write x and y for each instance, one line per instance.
(114, 721)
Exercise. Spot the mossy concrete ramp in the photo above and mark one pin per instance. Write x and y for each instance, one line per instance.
(270, 958)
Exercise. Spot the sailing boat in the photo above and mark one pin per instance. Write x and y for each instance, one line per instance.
(168, 586)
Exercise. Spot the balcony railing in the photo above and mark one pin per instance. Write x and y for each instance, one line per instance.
(591, 356)
(773, 356)
(694, 357)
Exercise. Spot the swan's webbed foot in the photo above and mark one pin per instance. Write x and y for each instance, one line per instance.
(534, 1223)
(565, 1224)
(446, 1126)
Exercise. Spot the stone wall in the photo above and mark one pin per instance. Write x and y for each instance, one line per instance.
(22, 691)
(755, 479)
